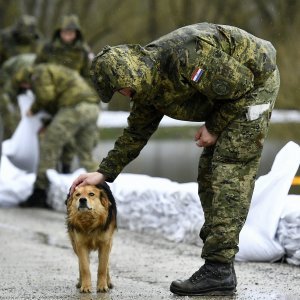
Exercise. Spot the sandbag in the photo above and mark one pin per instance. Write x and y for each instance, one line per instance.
(15, 185)
(257, 238)
(22, 149)
(288, 232)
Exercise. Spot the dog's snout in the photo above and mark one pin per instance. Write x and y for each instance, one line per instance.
(83, 204)
(82, 200)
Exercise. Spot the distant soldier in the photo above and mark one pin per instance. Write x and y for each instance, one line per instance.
(23, 37)
(74, 106)
(9, 108)
(68, 47)
(217, 74)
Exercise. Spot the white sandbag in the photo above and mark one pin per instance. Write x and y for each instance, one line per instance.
(15, 185)
(288, 232)
(159, 206)
(59, 188)
(257, 238)
(22, 148)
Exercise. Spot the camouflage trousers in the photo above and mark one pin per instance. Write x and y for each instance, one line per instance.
(227, 173)
(70, 126)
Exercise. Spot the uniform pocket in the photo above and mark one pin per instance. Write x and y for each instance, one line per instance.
(242, 140)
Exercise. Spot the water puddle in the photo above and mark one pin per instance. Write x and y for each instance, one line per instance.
(41, 237)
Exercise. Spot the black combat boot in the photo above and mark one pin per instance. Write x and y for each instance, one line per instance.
(215, 279)
(37, 199)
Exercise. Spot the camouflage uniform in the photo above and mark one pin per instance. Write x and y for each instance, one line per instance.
(65, 95)
(218, 74)
(9, 108)
(76, 56)
(23, 37)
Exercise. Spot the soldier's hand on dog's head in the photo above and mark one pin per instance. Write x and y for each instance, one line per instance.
(92, 178)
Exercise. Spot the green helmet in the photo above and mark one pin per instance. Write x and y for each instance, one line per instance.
(122, 66)
(26, 28)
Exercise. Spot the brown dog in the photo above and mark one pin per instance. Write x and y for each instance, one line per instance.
(91, 221)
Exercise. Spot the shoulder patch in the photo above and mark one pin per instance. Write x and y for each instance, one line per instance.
(221, 87)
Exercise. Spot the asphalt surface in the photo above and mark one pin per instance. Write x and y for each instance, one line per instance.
(37, 262)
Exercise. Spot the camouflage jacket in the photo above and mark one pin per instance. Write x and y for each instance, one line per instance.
(203, 72)
(76, 56)
(56, 86)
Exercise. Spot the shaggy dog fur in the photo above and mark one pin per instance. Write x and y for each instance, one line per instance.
(91, 222)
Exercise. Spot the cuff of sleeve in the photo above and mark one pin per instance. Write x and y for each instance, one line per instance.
(108, 176)
(216, 124)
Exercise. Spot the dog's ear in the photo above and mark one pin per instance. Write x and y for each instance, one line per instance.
(105, 187)
(104, 199)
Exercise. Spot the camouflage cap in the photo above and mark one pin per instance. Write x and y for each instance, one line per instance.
(119, 67)
(69, 22)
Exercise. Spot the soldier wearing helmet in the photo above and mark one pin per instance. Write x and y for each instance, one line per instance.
(220, 75)
(68, 47)
(23, 37)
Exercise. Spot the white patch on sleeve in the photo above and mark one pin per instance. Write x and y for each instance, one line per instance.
(255, 111)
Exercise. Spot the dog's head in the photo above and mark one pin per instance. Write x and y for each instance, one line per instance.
(87, 198)
(96, 201)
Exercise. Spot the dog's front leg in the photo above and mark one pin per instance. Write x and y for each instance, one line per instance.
(78, 285)
(84, 269)
(103, 281)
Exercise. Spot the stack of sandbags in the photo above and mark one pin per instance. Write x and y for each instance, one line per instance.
(159, 206)
(288, 233)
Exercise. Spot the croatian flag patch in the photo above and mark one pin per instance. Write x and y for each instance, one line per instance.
(197, 74)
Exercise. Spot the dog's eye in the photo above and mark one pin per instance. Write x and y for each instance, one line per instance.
(77, 195)
(91, 194)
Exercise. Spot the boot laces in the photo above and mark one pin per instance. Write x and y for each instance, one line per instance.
(207, 271)
(202, 272)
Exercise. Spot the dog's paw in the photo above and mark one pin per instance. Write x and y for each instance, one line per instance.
(110, 285)
(85, 289)
(102, 289)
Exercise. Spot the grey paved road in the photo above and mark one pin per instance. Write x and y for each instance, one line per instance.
(37, 262)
